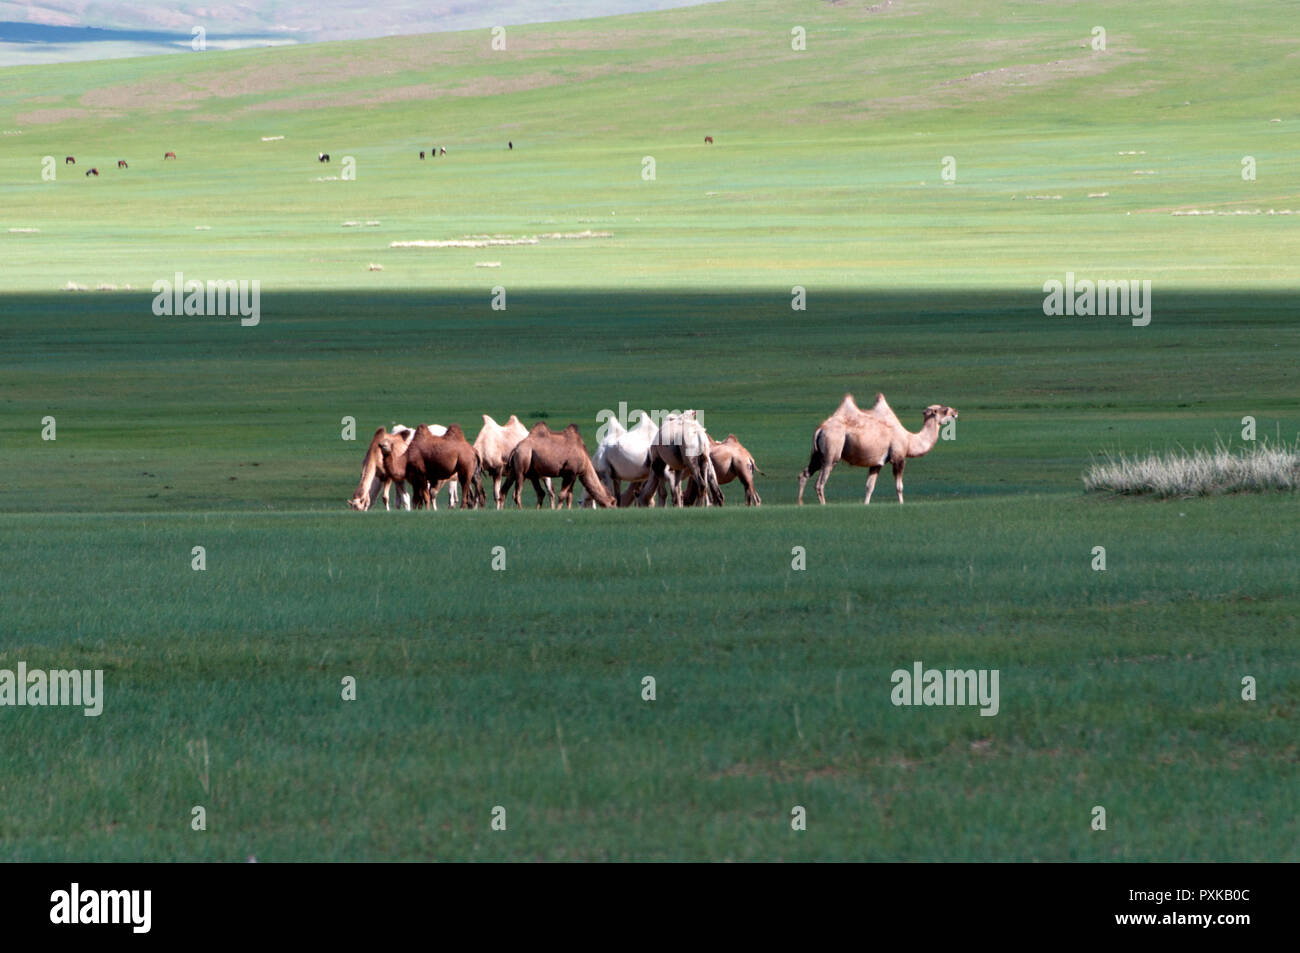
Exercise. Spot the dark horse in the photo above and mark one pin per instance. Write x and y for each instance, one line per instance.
(92, 172)
(69, 160)
(708, 140)
(121, 163)
(323, 157)
(421, 153)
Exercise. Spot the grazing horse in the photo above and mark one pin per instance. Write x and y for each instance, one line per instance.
(92, 172)
(708, 140)
(169, 155)
(442, 150)
(421, 153)
(323, 157)
(69, 160)
(121, 164)
(510, 146)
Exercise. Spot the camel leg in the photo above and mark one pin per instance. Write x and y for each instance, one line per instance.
(751, 493)
(872, 473)
(566, 491)
(550, 491)
(537, 487)
(898, 478)
(496, 489)
(647, 494)
(822, 477)
(814, 463)
(675, 486)
(387, 484)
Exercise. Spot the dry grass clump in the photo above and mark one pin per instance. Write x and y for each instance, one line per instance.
(1200, 472)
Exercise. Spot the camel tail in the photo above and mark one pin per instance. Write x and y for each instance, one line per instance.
(818, 450)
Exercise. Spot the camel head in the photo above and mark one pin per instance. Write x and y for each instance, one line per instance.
(357, 503)
(386, 446)
(939, 411)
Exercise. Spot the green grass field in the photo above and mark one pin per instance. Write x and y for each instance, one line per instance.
(522, 688)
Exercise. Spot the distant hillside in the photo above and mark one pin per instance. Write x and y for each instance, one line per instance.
(67, 30)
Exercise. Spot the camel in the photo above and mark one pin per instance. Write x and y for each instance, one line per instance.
(870, 439)
(731, 461)
(376, 479)
(681, 446)
(625, 455)
(494, 444)
(375, 476)
(429, 459)
(544, 453)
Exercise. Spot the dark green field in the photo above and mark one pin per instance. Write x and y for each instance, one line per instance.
(522, 688)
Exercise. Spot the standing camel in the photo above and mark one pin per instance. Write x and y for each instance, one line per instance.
(682, 446)
(731, 461)
(428, 459)
(870, 439)
(625, 455)
(544, 453)
(494, 445)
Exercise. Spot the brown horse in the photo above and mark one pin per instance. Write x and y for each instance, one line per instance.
(69, 160)
(428, 460)
(169, 155)
(544, 453)
(121, 163)
(708, 140)
(92, 172)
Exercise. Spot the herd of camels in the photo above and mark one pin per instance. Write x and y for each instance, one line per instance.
(677, 457)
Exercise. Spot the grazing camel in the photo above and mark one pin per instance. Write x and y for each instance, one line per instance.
(544, 453)
(494, 445)
(625, 455)
(870, 439)
(375, 478)
(429, 459)
(681, 446)
(374, 473)
(731, 461)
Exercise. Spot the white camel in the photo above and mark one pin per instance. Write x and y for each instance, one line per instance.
(624, 455)
(682, 447)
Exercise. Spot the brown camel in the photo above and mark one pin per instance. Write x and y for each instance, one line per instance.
(731, 461)
(870, 439)
(494, 444)
(544, 453)
(428, 460)
(374, 472)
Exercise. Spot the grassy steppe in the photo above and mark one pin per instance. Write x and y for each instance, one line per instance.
(522, 687)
